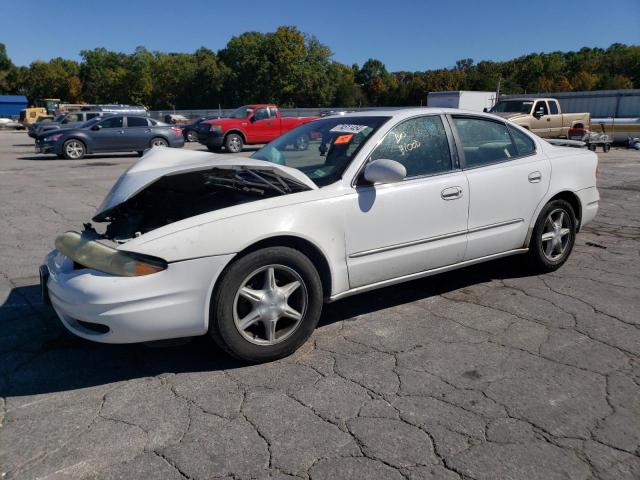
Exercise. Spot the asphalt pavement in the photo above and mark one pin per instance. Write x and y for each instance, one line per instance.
(483, 373)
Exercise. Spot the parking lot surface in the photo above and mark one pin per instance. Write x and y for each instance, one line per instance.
(483, 373)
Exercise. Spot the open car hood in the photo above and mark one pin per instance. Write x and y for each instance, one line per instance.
(163, 161)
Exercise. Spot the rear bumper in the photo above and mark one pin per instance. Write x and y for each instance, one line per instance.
(589, 199)
(177, 142)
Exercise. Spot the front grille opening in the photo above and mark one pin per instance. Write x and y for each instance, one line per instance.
(94, 327)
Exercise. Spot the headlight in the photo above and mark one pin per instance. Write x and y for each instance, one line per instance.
(53, 138)
(215, 128)
(93, 254)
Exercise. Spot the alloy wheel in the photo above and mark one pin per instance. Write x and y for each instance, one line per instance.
(234, 144)
(74, 149)
(158, 142)
(270, 304)
(556, 234)
(302, 142)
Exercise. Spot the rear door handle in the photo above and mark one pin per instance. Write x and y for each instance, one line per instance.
(451, 193)
(535, 177)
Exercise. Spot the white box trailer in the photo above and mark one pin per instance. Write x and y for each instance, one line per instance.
(464, 99)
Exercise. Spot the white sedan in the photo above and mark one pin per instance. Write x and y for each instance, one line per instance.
(248, 250)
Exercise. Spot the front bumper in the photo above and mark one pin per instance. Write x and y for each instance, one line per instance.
(211, 139)
(48, 147)
(104, 308)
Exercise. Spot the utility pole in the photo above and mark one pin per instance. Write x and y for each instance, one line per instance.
(498, 89)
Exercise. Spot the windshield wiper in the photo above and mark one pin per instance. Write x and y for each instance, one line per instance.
(248, 179)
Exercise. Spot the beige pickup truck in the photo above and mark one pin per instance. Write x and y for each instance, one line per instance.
(541, 115)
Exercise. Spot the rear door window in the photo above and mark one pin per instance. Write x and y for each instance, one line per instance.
(553, 107)
(137, 122)
(484, 141)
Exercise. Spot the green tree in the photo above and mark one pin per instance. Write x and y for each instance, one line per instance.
(376, 82)
(57, 78)
(6, 66)
(583, 81)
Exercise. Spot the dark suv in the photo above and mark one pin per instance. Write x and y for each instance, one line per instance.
(67, 120)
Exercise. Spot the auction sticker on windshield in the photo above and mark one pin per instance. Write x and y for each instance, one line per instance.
(348, 128)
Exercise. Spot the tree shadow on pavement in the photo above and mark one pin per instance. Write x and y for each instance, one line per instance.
(37, 354)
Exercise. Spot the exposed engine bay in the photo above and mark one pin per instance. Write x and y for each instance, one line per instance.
(176, 197)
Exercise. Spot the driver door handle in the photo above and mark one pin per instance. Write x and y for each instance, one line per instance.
(451, 193)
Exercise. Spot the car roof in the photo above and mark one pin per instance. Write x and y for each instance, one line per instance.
(410, 112)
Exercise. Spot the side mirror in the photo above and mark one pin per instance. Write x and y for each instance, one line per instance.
(96, 127)
(384, 171)
(485, 109)
(538, 114)
(252, 119)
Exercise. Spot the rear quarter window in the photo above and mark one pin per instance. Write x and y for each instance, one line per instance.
(524, 144)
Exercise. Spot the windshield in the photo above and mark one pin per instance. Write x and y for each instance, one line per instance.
(513, 106)
(321, 149)
(242, 112)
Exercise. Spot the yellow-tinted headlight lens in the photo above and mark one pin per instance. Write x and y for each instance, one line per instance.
(95, 255)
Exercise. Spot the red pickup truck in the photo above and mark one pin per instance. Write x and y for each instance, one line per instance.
(249, 125)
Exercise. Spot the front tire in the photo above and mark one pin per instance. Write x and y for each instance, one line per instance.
(266, 305)
(553, 237)
(233, 143)
(73, 149)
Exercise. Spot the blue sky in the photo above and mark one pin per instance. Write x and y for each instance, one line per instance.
(405, 35)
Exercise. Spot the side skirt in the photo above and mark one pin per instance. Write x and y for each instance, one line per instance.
(425, 273)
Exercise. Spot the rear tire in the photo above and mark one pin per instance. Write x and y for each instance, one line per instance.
(606, 147)
(302, 142)
(73, 149)
(233, 143)
(553, 237)
(280, 311)
(158, 142)
(192, 136)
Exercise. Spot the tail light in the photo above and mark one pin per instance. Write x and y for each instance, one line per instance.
(177, 130)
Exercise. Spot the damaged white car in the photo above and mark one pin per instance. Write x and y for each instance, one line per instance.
(247, 250)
